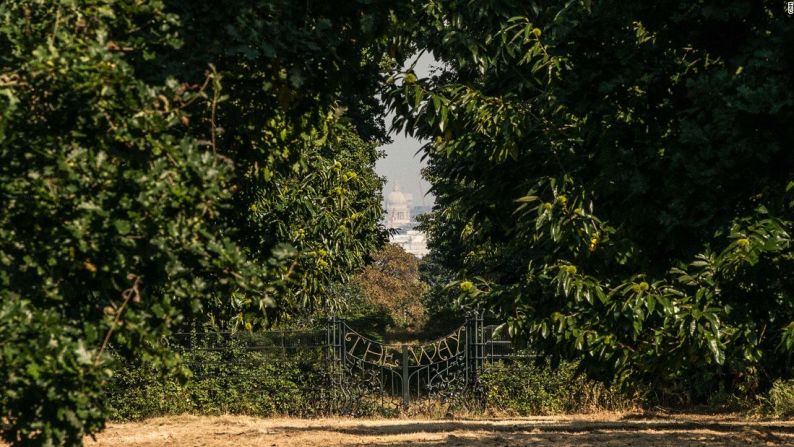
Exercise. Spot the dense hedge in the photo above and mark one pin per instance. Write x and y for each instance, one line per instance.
(524, 388)
(171, 161)
(230, 381)
(254, 383)
(779, 401)
(612, 180)
(239, 381)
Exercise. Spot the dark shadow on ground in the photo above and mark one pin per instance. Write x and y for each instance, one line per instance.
(652, 433)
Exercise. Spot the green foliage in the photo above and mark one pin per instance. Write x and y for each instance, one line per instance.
(440, 301)
(42, 356)
(390, 285)
(235, 380)
(779, 400)
(527, 389)
(327, 210)
(613, 180)
(229, 381)
(162, 162)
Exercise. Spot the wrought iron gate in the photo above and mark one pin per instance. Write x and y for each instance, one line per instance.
(366, 372)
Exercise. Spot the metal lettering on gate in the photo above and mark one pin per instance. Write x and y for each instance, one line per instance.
(369, 373)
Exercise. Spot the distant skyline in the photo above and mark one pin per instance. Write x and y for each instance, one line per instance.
(402, 163)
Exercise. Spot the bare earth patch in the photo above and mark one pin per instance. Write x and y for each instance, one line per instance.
(601, 430)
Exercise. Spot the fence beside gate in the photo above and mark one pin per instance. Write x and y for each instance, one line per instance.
(359, 374)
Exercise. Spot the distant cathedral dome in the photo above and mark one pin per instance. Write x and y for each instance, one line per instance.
(397, 213)
(396, 198)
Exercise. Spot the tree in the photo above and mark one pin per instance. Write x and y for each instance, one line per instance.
(391, 284)
(334, 205)
(440, 301)
(614, 180)
(158, 161)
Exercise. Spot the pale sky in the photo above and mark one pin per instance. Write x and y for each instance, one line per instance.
(402, 162)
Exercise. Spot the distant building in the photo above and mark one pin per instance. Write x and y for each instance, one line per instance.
(398, 217)
(412, 241)
(397, 208)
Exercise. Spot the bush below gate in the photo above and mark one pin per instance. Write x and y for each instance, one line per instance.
(238, 381)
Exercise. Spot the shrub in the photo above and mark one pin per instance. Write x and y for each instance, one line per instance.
(232, 381)
(780, 399)
(525, 388)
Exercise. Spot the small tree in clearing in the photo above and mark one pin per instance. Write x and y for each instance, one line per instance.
(391, 283)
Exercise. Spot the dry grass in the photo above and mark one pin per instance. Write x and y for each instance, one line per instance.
(601, 430)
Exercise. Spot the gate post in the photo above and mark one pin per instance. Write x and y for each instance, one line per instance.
(405, 375)
(330, 360)
(474, 349)
(466, 348)
(335, 354)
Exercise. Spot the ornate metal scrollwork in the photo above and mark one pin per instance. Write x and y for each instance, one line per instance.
(368, 372)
